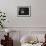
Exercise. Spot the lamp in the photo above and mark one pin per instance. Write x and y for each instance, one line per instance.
(7, 31)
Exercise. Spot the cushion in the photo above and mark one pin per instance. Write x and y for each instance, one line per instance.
(26, 39)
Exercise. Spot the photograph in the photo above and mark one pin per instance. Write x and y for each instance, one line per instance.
(23, 11)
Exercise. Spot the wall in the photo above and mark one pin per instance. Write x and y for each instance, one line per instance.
(38, 13)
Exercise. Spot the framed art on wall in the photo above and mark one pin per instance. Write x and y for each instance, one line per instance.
(24, 11)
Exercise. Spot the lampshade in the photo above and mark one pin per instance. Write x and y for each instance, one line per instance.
(7, 30)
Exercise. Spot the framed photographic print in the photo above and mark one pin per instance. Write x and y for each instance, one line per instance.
(24, 11)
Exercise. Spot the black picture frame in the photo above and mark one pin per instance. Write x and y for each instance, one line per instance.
(24, 11)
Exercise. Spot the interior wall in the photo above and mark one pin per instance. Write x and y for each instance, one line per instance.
(38, 13)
